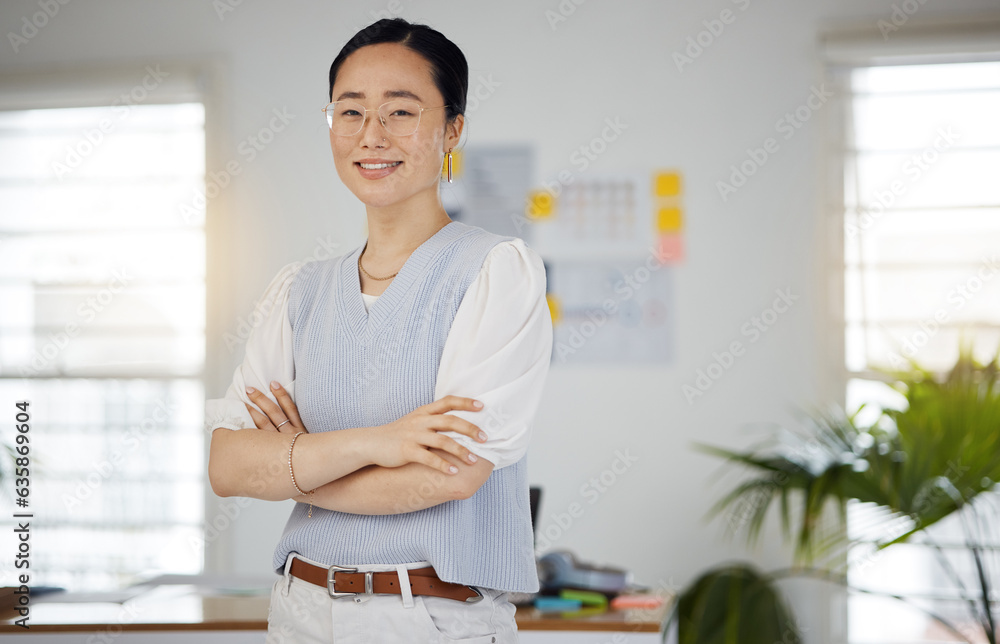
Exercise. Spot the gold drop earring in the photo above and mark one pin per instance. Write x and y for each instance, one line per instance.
(449, 166)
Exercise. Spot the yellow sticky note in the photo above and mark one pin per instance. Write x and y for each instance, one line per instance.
(667, 184)
(554, 309)
(668, 220)
(541, 204)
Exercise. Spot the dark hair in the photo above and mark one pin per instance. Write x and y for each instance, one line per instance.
(451, 71)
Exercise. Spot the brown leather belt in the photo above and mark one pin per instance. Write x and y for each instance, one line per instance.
(342, 581)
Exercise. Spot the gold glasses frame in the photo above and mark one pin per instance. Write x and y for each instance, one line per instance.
(364, 121)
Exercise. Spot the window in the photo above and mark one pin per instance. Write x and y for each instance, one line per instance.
(921, 270)
(102, 327)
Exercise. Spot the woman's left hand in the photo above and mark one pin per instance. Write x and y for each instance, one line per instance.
(283, 417)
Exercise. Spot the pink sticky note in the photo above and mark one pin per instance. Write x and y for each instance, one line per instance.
(670, 248)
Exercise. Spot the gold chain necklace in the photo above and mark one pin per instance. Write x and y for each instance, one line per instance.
(369, 274)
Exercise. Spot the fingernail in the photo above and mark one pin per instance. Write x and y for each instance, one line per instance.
(251, 390)
(275, 385)
(453, 469)
(482, 436)
(472, 458)
(477, 404)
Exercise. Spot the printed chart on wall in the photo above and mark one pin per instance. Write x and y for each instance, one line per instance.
(610, 243)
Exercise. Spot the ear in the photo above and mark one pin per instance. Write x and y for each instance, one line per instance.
(453, 132)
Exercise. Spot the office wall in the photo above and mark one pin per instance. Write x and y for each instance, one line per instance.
(551, 84)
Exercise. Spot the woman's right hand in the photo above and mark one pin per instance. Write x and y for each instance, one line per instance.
(408, 439)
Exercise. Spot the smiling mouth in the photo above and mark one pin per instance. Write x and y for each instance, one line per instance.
(379, 166)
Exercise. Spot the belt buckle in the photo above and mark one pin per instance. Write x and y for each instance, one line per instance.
(330, 581)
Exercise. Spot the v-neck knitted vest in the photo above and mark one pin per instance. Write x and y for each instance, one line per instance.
(364, 369)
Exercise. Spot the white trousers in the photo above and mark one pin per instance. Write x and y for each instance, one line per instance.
(304, 613)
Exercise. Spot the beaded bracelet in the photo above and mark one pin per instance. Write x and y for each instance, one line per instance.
(292, 474)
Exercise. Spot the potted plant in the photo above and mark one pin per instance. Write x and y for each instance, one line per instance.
(912, 467)
(732, 604)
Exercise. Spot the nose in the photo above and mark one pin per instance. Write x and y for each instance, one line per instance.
(373, 132)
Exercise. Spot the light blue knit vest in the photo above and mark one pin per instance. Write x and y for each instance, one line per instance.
(358, 369)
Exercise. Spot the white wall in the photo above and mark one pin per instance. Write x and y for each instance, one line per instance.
(556, 87)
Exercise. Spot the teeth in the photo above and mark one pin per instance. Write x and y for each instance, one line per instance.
(378, 166)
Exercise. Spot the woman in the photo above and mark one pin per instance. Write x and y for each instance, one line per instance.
(418, 361)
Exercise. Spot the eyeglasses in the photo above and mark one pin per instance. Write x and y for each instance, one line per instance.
(399, 118)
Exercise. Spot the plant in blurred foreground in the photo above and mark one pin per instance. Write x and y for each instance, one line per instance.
(908, 470)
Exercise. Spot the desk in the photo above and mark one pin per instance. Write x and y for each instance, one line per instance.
(184, 613)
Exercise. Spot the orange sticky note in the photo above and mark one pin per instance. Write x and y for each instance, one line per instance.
(621, 602)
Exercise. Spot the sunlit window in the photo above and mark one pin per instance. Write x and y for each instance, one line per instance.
(102, 329)
(922, 271)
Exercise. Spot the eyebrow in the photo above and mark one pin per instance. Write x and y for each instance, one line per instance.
(392, 93)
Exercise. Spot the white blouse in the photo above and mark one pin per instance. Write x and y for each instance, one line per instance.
(497, 351)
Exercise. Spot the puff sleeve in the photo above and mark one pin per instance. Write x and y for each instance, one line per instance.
(498, 351)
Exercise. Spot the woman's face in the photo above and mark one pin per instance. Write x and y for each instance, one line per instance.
(372, 76)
